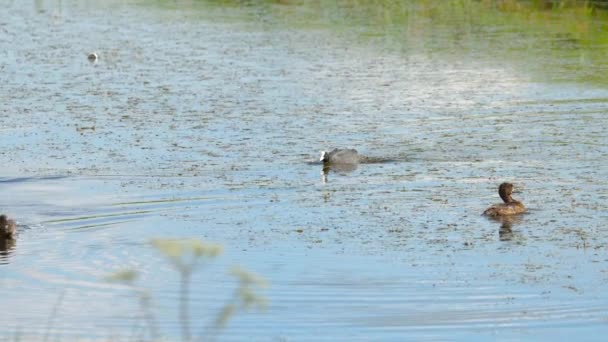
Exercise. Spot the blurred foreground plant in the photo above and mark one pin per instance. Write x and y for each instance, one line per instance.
(186, 256)
(128, 278)
(244, 297)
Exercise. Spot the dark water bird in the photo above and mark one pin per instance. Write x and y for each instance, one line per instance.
(339, 160)
(8, 227)
(346, 160)
(349, 156)
(509, 207)
(341, 157)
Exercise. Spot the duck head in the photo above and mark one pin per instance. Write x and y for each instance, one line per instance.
(324, 157)
(504, 191)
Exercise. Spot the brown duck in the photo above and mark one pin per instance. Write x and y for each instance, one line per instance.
(8, 227)
(509, 207)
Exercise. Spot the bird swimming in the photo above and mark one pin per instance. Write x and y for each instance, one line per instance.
(340, 156)
(8, 227)
(509, 207)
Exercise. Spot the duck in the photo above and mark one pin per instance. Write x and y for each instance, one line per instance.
(8, 227)
(509, 207)
(340, 156)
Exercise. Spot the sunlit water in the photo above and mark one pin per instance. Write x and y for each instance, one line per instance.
(202, 122)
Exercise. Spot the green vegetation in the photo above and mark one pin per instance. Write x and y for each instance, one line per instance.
(559, 40)
(186, 256)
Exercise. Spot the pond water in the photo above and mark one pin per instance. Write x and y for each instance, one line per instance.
(203, 120)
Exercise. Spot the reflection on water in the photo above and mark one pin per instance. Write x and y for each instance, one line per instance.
(6, 248)
(507, 223)
(342, 169)
(505, 233)
(197, 121)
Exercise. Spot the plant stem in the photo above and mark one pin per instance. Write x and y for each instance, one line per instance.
(51, 319)
(144, 302)
(183, 305)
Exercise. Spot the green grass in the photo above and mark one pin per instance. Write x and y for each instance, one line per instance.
(558, 40)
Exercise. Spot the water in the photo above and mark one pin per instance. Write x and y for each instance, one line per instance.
(204, 120)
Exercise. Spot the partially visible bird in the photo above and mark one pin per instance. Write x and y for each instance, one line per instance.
(8, 227)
